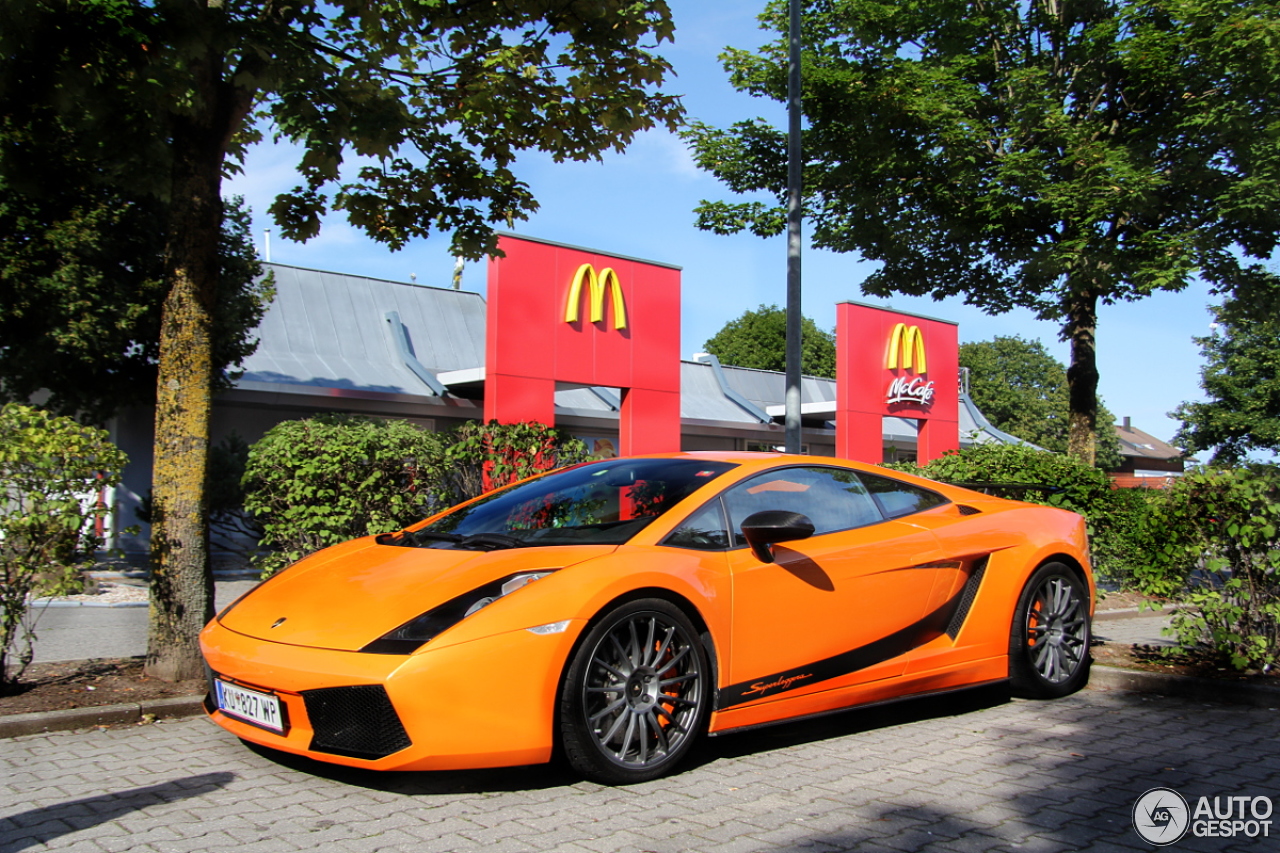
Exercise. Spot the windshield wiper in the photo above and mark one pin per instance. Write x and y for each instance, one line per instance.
(489, 541)
(475, 541)
(421, 537)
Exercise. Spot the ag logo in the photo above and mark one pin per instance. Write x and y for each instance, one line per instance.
(1161, 816)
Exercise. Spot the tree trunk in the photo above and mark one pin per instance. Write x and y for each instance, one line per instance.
(1082, 377)
(181, 580)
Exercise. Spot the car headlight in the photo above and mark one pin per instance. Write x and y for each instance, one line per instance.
(413, 634)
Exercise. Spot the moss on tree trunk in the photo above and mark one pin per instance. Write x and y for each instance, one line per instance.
(182, 582)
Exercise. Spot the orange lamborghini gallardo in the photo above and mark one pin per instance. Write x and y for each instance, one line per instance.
(617, 610)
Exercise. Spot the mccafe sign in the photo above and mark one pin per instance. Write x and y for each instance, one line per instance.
(907, 359)
(890, 364)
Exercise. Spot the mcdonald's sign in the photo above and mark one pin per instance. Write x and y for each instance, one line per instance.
(597, 286)
(885, 369)
(907, 341)
(906, 347)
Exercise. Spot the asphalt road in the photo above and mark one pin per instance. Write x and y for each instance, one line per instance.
(956, 774)
(77, 633)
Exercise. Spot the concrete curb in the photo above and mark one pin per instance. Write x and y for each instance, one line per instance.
(1184, 687)
(45, 602)
(40, 722)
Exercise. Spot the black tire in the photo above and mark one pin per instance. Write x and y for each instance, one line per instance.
(1049, 639)
(636, 694)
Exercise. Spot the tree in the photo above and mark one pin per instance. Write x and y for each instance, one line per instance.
(1241, 377)
(432, 101)
(1023, 390)
(1054, 154)
(81, 292)
(758, 339)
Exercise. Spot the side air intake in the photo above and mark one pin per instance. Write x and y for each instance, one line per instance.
(967, 595)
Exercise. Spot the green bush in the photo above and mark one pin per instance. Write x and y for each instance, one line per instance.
(1115, 516)
(50, 471)
(482, 457)
(1216, 551)
(320, 481)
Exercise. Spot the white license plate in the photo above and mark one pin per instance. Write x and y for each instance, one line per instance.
(261, 709)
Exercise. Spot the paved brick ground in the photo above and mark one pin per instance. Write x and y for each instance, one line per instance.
(959, 774)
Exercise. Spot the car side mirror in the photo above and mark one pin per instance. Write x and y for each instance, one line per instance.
(763, 529)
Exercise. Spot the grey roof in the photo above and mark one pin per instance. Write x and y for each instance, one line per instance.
(768, 388)
(701, 397)
(330, 330)
(334, 331)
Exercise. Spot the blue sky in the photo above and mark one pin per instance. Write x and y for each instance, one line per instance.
(641, 204)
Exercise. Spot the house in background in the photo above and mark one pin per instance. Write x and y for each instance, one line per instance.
(336, 343)
(1148, 462)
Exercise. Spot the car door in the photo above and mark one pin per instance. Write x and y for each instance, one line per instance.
(841, 607)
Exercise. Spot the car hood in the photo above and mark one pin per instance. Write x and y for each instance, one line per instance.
(345, 597)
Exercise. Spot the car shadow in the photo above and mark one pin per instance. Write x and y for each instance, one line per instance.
(706, 751)
(427, 783)
(846, 722)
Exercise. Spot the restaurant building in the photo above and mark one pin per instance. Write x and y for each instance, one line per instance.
(585, 340)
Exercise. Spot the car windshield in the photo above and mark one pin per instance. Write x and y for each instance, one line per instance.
(599, 503)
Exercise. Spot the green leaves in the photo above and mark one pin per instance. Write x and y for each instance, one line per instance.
(1219, 554)
(758, 339)
(1042, 155)
(481, 457)
(158, 101)
(51, 471)
(81, 293)
(317, 482)
(1022, 390)
(321, 481)
(1241, 378)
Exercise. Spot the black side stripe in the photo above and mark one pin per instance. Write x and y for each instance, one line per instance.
(932, 626)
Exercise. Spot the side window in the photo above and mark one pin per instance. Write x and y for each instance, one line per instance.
(833, 499)
(702, 531)
(899, 499)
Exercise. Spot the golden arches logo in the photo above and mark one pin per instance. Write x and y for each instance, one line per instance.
(607, 280)
(907, 342)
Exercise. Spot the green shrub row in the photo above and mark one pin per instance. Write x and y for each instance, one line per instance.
(1209, 544)
(316, 482)
(1114, 516)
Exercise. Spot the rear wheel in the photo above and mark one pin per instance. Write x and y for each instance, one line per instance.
(635, 695)
(1049, 639)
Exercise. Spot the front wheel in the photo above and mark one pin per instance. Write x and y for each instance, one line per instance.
(636, 694)
(1049, 639)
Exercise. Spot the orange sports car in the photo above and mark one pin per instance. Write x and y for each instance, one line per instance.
(616, 610)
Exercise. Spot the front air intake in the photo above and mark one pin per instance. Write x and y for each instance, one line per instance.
(358, 722)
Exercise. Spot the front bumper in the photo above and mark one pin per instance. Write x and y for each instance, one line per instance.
(485, 703)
